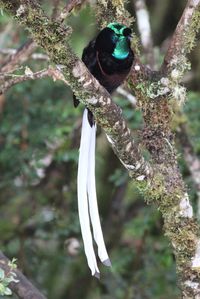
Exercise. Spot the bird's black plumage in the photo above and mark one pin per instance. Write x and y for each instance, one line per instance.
(109, 57)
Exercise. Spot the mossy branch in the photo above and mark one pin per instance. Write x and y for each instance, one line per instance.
(183, 39)
(112, 11)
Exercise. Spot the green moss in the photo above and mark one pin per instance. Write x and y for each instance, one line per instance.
(142, 186)
(135, 44)
(191, 31)
(112, 11)
(156, 189)
(182, 231)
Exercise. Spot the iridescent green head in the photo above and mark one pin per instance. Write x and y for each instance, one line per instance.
(114, 39)
(121, 38)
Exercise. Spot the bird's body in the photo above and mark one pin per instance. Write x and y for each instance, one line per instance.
(108, 70)
(109, 58)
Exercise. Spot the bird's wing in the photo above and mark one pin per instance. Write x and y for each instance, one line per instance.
(89, 56)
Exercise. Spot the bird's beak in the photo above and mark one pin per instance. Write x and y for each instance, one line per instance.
(130, 36)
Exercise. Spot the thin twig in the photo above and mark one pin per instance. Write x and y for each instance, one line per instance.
(68, 8)
(55, 74)
(21, 55)
(127, 95)
(35, 56)
(20, 78)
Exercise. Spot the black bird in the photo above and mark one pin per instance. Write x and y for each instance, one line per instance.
(109, 58)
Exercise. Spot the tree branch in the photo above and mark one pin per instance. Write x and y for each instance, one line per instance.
(190, 157)
(144, 28)
(184, 36)
(55, 10)
(20, 78)
(68, 8)
(55, 74)
(19, 57)
(35, 56)
(24, 288)
(112, 11)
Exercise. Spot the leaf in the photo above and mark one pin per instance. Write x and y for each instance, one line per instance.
(2, 289)
(7, 292)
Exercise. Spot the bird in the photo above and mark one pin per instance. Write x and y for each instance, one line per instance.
(109, 58)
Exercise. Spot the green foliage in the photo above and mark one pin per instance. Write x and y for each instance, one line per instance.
(7, 278)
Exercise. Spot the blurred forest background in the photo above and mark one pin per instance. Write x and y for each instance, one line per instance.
(39, 141)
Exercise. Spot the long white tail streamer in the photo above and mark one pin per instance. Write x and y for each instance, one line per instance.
(87, 195)
(93, 206)
(82, 195)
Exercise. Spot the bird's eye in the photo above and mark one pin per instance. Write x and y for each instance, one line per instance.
(127, 32)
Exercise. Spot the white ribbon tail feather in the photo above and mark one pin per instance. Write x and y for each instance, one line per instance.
(93, 205)
(82, 195)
